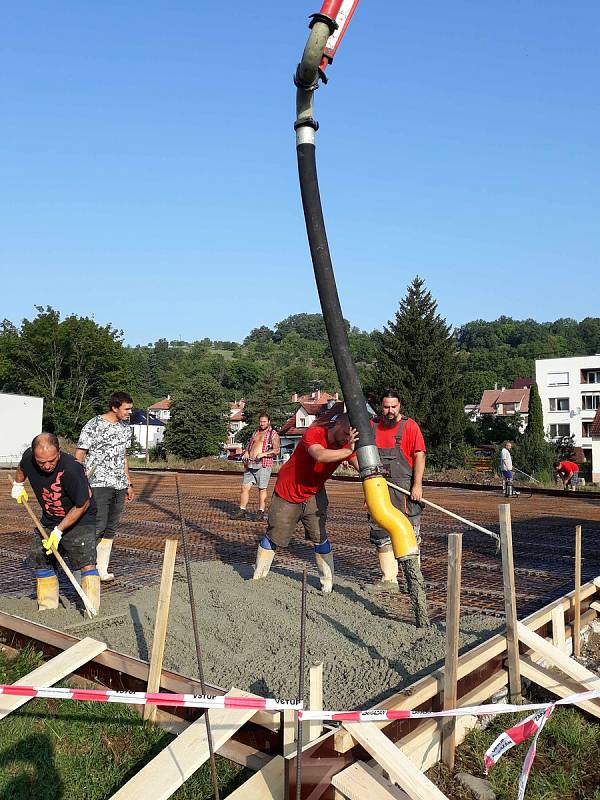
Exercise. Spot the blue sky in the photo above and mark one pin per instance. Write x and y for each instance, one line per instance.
(149, 176)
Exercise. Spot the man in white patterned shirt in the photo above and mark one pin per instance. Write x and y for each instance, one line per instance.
(102, 448)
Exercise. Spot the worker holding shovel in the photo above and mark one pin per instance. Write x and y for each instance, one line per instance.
(68, 516)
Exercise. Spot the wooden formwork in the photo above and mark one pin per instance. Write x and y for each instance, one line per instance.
(256, 739)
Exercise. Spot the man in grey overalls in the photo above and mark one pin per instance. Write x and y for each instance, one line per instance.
(402, 451)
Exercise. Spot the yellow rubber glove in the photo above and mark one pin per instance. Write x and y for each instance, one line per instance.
(18, 492)
(52, 541)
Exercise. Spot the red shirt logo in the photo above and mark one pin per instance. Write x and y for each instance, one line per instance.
(52, 498)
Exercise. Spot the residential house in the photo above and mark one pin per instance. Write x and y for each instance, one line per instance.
(506, 402)
(148, 430)
(472, 412)
(309, 406)
(595, 437)
(570, 392)
(162, 409)
(234, 426)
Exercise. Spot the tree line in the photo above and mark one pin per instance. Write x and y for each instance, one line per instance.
(75, 363)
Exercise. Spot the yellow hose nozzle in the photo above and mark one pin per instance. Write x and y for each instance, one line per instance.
(390, 518)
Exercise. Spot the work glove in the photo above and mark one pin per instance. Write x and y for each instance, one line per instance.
(52, 541)
(18, 492)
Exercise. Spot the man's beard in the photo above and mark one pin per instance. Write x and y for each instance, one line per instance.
(389, 420)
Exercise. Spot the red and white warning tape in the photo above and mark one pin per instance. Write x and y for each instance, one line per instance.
(531, 726)
(152, 698)
(273, 704)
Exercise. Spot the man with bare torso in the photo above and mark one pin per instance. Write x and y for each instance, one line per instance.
(258, 462)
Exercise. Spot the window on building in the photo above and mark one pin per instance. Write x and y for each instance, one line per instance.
(590, 376)
(590, 401)
(302, 422)
(586, 429)
(558, 379)
(559, 430)
(559, 404)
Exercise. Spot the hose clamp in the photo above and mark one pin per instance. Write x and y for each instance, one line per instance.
(331, 23)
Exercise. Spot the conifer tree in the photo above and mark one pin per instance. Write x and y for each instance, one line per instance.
(199, 414)
(416, 355)
(533, 453)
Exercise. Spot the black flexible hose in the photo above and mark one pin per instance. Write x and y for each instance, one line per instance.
(328, 295)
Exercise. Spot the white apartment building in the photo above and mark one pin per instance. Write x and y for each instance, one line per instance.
(570, 393)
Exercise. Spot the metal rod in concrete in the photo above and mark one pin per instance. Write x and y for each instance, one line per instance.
(188, 570)
(301, 688)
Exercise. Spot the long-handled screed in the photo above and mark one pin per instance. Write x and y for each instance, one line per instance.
(186, 558)
(92, 612)
(531, 478)
(450, 514)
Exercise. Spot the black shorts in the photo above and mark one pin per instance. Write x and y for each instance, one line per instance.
(78, 545)
(284, 516)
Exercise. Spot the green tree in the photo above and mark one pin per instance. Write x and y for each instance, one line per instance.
(532, 452)
(241, 375)
(271, 395)
(416, 355)
(197, 427)
(74, 365)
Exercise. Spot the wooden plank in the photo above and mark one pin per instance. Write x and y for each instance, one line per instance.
(314, 727)
(510, 602)
(595, 605)
(288, 740)
(52, 671)
(239, 753)
(161, 624)
(558, 629)
(452, 644)
(359, 781)
(423, 744)
(267, 784)
(398, 766)
(558, 685)
(577, 597)
(173, 766)
(426, 688)
(569, 666)
(535, 621)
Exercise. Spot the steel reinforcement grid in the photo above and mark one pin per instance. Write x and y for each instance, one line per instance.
(543, 537)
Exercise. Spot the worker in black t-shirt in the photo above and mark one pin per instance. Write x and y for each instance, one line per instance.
(68, 508)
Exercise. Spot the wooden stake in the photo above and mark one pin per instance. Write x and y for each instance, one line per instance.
(314, 727)
(452, 633)
(160, 624)
(558, 629)
(510, 603)
(577, 598)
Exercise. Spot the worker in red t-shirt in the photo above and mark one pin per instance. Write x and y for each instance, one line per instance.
(300, 496)
(568, 472)
(402, 452)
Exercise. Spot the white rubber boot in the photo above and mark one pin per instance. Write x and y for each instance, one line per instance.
(264, 559)
(325, 567)
(389, 567)
(103, 549)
